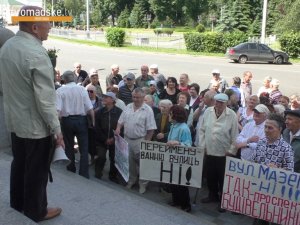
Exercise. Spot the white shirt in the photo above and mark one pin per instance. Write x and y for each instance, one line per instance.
(72, 99)
(137, 123)
(249, 130)
(263, 89)
(294, 135)
(217, 135)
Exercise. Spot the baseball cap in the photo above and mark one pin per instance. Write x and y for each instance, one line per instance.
(215, 71)
(154, 66)
(221, 97)
(110, 94)
(130, 76)
(93, 72)
(261, 108)
(152, 82)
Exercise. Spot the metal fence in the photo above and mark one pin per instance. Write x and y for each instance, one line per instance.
(133, 38)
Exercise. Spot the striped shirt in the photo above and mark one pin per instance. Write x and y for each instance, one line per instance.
(125, 94)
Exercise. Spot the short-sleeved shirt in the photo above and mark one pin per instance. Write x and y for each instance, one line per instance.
(72, 99)
(137, 123)
(141, 82)
(279, 153)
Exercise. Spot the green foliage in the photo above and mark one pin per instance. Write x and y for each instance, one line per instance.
(232, 39)
(290, 22)
(123, 20)
(200, 28)
(137, 17)
(203, 42)
(213, 41)
(115, 37)
(167, 31)
(290, 43)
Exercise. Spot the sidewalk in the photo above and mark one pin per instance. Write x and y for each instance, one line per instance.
(103, 202)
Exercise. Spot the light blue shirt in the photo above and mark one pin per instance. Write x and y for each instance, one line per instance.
(180, 132)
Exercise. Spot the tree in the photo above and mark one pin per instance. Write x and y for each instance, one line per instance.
(290, 21)
(137, 16)
(123, 20)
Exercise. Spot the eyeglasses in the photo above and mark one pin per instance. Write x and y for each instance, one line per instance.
(129, 79)
(90, 91)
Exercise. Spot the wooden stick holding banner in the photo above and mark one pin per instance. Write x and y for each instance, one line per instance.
(181, 165)
(122, 157)
(270, 194)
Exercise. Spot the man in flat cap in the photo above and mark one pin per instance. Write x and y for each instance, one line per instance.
(292, 134)
(217, 136)
(125, 92)
(30, 115)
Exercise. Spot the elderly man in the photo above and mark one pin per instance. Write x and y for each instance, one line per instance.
(97, 105)
(246, 85)
(114, 77)
(217, 79)
(94, 79)
(217, 137)
(252, 132)
(144, 79)
(81, 75)
(139, 124)
(125, 92)
(29, 97)
(73, 104)
(266, 88)
(5, 34)
(106, 121)
(158, 77)
(292, 134)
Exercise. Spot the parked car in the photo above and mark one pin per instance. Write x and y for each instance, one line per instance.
(256, 52)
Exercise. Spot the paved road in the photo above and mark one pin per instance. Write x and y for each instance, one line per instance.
(198, 67)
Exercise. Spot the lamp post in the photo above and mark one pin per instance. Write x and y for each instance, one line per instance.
(87, 19)
(52, 10)
(264, 20)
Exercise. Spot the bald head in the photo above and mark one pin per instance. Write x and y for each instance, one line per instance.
(39, 29)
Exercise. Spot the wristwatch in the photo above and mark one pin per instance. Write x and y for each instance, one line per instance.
(248, 145)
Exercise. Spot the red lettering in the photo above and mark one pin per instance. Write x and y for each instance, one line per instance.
(237, 186)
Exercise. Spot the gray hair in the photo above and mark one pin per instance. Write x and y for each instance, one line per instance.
(268, 78)
(139, 91)
(150, 97)
(68, 76)
(210, 94)
(278, 119)
(90, 87)
(165, 103)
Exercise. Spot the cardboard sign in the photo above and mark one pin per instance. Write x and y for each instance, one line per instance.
(181, 165)
(262, 192)
(122, 157)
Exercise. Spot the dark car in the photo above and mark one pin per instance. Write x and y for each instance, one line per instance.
(256, 52)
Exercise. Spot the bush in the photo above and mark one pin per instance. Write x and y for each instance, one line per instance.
(115, 37)
(231, 39)
(213, 41)
(168, 31)
(200, 28)
(290, 43)
(203, 42)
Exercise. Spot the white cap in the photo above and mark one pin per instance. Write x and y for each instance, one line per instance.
(153, 66)
(93, 72)
(261, 108)
(215, 71)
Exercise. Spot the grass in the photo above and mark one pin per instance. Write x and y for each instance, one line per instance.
(150, 49)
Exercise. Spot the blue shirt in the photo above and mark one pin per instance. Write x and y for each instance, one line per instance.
(180, 132)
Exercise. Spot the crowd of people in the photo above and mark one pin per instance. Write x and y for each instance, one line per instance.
(224, 119)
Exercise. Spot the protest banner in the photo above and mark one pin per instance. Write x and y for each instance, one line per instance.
(270, 194)
(122, 157)
(181, 165)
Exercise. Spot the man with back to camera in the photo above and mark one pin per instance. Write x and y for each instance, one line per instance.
(30, 115)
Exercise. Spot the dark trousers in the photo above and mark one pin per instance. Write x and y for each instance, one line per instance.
(100, 161)
(92, 142)
(215, 170)
(76, 126)
(180, 195)
(29, 176)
